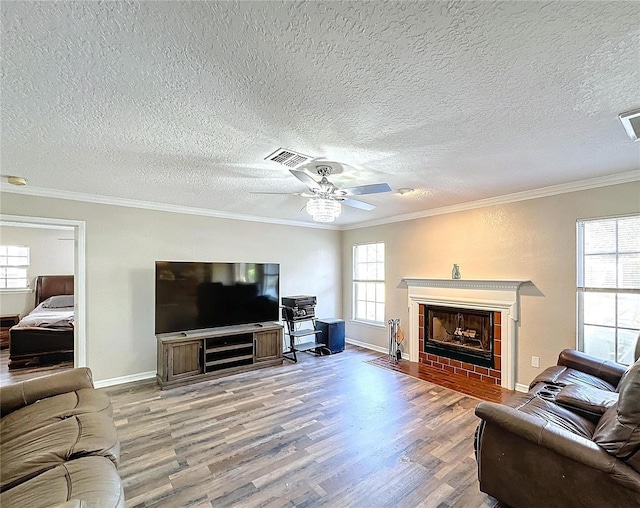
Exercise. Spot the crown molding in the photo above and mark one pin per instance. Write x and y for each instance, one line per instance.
(592, 183)
(150, 205)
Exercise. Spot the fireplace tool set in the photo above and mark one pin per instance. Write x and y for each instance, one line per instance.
(396, 336)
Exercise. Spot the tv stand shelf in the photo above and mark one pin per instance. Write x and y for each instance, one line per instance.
(186, 358)
(307, 346)
(311, 335)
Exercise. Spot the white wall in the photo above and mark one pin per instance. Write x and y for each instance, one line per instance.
(51, 253)
(122, 245)
(527, 240)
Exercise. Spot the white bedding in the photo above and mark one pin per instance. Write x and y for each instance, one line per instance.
(41, 317)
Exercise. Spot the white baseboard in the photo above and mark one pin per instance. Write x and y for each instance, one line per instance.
(522, 388)
(124, 379)
(366, 345)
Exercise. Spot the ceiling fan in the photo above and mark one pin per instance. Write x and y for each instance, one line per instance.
(325, 198)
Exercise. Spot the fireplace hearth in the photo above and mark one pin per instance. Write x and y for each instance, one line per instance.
(460, 334)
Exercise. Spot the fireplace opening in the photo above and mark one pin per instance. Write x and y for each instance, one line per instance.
(460, 334)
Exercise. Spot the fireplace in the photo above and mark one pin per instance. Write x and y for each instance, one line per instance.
(459, 334)
(497, 297)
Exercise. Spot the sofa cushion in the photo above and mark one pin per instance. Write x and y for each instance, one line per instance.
(563, 376)
(53, 409)
(93, 480)
(586, 400)
(634, 460)
(618, 431)
(31, 453)
(533, 404)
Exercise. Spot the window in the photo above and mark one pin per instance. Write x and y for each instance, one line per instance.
(368, 282)
(14, 267)
(609, 287)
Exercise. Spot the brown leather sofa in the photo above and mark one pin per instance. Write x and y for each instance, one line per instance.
(572, 440)
(58, 444)
(577, 368)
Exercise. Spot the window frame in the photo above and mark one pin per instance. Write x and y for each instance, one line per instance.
(356, 281)
(582, 289)
(22, 266)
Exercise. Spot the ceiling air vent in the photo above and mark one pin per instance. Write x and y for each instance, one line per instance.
(288, 158)
(631, 122)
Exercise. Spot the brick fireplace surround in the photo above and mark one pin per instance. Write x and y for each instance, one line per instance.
(484, 374)
(498, 296)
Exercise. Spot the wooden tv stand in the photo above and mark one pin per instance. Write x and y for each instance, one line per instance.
(191, 357)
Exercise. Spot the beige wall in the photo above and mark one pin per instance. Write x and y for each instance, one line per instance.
(122, 245)
(51, 253)
(532, 240)
(527, 240)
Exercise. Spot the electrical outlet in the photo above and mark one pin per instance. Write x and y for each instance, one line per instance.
(535, 362)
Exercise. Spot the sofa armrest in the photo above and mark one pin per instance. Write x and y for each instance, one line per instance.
(543, 433)
(609, 371)
(21, 394)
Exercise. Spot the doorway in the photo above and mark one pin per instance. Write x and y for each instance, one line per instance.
(66, 232)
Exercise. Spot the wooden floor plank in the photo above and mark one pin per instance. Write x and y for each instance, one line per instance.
(8, 377)
(327, 431)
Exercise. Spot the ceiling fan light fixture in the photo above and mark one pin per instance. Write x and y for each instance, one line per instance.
(323, 209)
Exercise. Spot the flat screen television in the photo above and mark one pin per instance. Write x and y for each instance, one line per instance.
(194, 296)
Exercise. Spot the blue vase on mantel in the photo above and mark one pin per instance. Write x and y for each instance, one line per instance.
(455, 273)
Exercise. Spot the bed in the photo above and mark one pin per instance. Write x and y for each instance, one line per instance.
(46, 334)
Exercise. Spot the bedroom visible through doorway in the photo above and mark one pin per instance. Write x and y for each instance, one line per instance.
(53, 337)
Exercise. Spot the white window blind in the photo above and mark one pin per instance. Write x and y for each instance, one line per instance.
(14, 267)
(608, 287)
(368, 282)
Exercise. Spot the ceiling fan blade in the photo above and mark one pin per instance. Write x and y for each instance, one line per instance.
(354, 203)
(305, 178)
(373, 188)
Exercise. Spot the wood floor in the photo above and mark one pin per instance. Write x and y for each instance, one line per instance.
(328, 431)
(16, 375)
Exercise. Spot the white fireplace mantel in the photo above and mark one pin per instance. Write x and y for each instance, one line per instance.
(465, 283)
(494, 295)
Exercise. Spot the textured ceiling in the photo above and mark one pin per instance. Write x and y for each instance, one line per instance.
(180, 102)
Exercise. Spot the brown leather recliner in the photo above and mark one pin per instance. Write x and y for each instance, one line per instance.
(572, 440)
(58, 444)
(575, 367)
